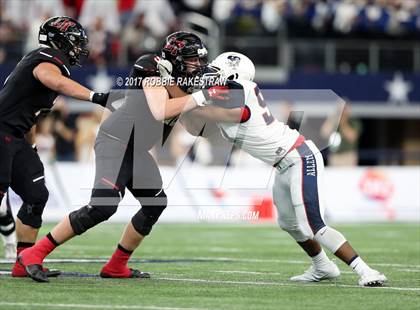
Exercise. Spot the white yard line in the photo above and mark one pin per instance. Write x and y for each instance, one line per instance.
(247, 272)
(194, 280)
(92, 306)
(262, 272)
(409, 270)
(285, 284)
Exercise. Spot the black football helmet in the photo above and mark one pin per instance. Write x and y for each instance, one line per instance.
(65, 34)
(179, 47)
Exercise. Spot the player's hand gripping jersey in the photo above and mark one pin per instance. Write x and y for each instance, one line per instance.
(259, 133)
(23, 96)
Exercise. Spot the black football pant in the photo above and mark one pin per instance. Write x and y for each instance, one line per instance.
(22, 170)
(119, 166)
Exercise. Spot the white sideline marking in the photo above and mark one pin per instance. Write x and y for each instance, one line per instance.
(93, 306)
(287, 284)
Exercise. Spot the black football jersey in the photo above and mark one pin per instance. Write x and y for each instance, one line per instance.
(135, 113)
(23, 96)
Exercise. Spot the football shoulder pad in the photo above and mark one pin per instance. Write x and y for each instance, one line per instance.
(146, 65)
(55, 57)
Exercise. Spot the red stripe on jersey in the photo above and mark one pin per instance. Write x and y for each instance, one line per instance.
(58, 60)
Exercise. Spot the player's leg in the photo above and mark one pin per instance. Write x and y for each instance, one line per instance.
(28, 182)
(322, 267)
(110, 180)
(7, 228)
(307, 196)
(147, 188)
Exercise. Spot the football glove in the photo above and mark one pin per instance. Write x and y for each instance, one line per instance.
(165, 68)
(99, 98)
(205, 96)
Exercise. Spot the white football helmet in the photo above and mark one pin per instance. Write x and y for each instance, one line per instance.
(234, 66)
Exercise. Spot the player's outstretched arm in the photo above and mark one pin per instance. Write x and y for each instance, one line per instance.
(203, 120)
(164, 108)
(50, 76)
(218, 114)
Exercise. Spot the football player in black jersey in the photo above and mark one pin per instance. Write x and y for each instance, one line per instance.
(30, 89)
(123, 160)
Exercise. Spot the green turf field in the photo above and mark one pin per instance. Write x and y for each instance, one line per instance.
(206, 266)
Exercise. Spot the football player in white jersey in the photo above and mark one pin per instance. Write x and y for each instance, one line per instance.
(297, 190)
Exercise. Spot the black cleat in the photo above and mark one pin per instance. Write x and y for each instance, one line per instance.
(35, 272)
(51, 273)
(139, 274)
(133, 274)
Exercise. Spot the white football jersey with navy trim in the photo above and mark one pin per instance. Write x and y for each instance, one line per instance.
(262, 136)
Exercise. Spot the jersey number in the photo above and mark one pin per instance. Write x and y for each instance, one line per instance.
(268, 118)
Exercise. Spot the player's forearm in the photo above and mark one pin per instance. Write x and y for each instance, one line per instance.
(176, 106)
(175, 92)
(161, 106)
(218, 114)
(72, 89)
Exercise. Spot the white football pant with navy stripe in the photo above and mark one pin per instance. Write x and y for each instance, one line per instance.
(298, 192)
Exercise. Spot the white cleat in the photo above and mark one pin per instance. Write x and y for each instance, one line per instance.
(327, 272)
(372, 278)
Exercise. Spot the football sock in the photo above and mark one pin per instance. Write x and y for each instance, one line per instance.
(359, 266)
(23, 245)
(117, 265)
(40, 250)
(320, 259)
(18, 270)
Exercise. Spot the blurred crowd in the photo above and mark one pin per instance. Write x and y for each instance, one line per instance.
(63, 136)
(120, 30)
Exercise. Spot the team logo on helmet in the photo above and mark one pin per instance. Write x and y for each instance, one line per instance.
(233, 61)
(63, 24)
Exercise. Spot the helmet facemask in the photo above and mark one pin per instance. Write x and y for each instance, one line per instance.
(192, 66)
(79, 48)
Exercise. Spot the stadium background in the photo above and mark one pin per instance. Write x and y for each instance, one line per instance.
(367, 52)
